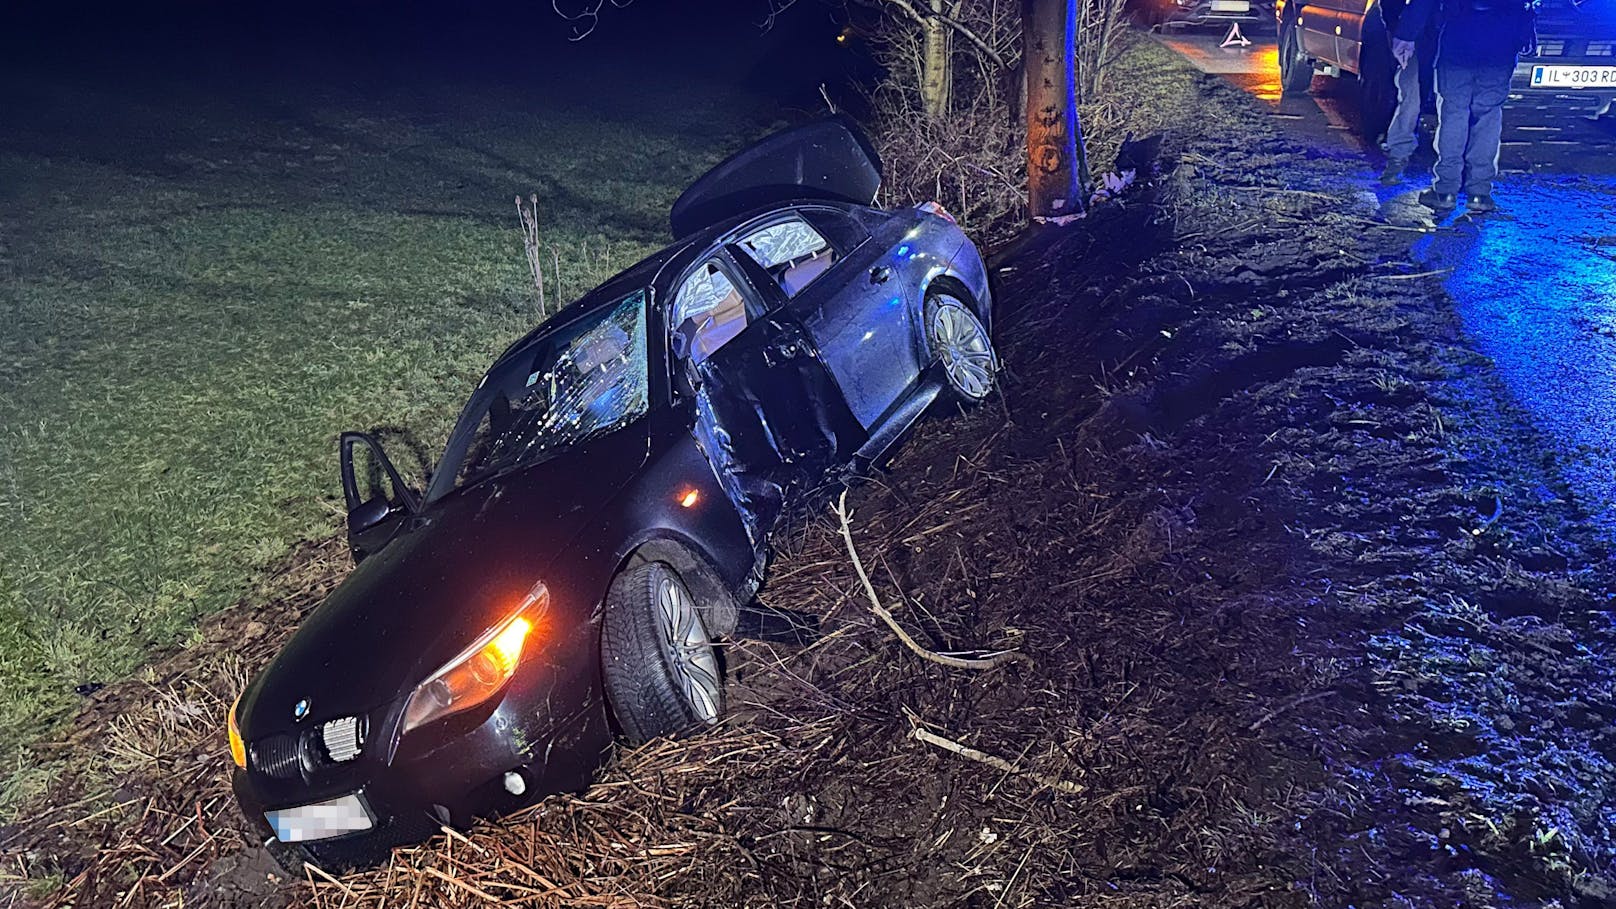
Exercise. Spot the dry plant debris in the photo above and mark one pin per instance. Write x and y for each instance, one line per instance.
(1226, 511)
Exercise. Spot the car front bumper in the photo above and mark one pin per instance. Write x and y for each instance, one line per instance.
(433, 777)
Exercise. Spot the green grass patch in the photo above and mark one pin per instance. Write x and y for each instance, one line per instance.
(198, 294)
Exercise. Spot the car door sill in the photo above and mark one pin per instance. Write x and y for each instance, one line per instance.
(892, 427)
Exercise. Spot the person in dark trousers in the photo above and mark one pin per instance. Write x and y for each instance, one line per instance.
(1402, 135)
(1477, 43)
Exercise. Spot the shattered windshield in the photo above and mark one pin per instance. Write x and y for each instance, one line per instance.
(587, 379)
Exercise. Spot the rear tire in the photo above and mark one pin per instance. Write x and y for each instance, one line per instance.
(958, 343)
(662, 673)
(1295, 69)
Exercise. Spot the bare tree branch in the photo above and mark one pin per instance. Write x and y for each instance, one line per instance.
(920, 16)
(586, 19)
(776, 7)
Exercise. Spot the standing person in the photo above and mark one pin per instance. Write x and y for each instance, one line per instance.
(1475, 57)
(1403, 134)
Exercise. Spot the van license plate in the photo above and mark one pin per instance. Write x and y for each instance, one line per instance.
(1574, 76)
(1231, 6)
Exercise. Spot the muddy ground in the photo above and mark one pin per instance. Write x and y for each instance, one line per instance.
(1305, 616)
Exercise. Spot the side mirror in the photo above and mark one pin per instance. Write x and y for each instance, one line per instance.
(380, 468)
(384, 496)
(368, 514)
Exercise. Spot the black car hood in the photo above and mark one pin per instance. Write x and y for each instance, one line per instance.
(827, 159)
(464, 565)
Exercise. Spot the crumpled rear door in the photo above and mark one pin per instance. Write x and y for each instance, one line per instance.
(770, 419)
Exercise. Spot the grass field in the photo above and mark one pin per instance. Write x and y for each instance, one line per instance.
(202, 283)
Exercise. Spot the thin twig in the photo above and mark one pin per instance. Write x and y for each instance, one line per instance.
(986, 662)
(918, 731)
(461, 884)
(1423, 274)
(312, 868)
(1293, 702)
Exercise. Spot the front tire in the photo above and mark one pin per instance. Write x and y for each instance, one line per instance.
(959, 344)
(1295, 70)
(661, 670)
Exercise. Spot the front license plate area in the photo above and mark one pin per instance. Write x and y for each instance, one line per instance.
(1574, 77)
(321, 820)
(1231, 6)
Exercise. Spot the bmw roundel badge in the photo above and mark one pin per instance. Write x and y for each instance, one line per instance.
(300, 709)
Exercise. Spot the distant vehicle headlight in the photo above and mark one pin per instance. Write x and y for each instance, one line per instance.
(480, 671)
(238, 748)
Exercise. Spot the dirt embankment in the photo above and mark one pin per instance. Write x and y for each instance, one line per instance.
(1238, 509)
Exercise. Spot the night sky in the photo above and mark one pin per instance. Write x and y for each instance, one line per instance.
(658, 40)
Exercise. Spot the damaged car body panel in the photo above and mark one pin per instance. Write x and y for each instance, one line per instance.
(828, 159)
(603, 507)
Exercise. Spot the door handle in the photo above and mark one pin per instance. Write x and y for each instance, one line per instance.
(880, 274)
(782, 351)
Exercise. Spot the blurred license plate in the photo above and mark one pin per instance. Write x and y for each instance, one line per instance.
(1574, 76)
(321, 820)
(1231, 6)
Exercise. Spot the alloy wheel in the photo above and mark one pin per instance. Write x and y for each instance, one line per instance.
(961, 345)
(689, 651)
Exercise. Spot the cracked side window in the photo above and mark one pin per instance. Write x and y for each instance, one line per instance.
(707, 312)
(792, 252)
(586, 380)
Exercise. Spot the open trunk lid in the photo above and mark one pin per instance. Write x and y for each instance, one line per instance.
(828, 159)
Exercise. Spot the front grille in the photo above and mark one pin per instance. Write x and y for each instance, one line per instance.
(343, 738)
(277, 756)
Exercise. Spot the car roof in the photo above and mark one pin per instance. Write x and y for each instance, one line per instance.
(647, 271)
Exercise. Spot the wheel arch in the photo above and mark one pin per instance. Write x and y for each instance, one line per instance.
(952, 283)
(720, 608)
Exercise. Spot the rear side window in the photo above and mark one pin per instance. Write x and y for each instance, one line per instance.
(792, 252)
(707, 312)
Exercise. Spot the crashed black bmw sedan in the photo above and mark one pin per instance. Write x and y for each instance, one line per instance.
(601, 512)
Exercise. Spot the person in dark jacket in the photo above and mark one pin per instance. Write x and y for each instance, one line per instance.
(1476, 49)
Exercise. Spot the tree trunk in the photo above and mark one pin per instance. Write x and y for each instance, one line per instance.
(1057, 168)
(936, 68)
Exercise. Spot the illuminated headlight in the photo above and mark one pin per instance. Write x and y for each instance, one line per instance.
(480, 671)
(238, 748)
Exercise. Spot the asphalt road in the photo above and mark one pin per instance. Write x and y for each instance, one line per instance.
(1534, 283)
(1546, 132)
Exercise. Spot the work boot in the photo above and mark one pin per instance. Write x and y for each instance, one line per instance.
(1439, 202)
(1480, 203)
(1393, 174)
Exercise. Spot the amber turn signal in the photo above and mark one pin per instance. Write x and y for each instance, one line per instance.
(238, 748)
